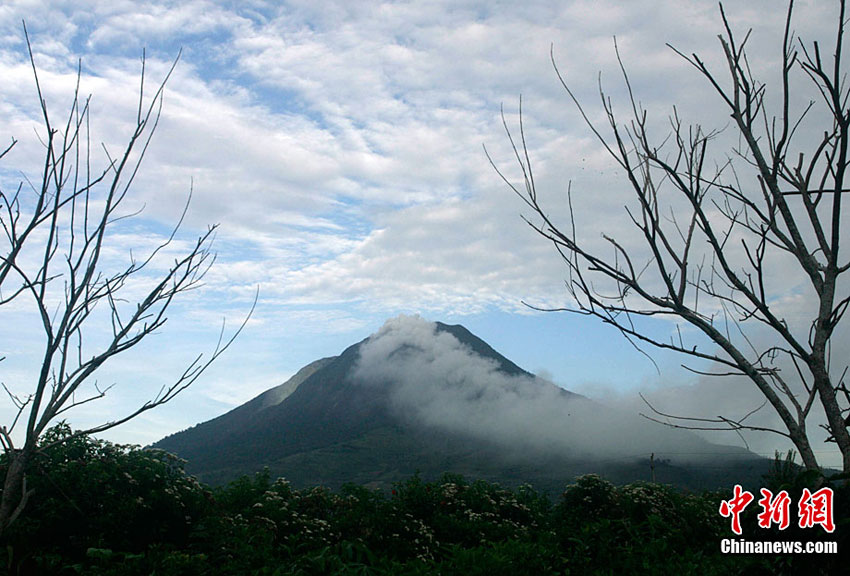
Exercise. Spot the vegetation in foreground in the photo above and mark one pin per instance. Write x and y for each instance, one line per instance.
(105, 509)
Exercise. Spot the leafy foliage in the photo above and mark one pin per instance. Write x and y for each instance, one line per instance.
(90, 493)
(105, 509)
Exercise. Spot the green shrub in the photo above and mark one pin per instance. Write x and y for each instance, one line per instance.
(104, 509)
(92, 494)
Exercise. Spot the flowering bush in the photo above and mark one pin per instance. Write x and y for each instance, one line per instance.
(90, 493)
(104, 509)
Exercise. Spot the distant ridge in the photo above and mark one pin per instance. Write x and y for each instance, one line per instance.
(430, 397)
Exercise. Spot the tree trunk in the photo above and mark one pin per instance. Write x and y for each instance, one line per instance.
(801, 442)
(15, 492)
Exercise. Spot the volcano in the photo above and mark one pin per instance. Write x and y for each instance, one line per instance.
(431, 398)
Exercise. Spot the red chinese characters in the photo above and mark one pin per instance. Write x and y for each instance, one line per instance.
(735, 506)
(814, 508)
(774, 509)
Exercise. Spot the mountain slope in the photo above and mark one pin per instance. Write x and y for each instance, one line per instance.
(431, 398)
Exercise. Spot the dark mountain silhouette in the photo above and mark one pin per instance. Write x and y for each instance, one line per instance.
(438, 399)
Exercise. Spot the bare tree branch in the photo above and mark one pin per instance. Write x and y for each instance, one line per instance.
(63, 234)
(711, 237)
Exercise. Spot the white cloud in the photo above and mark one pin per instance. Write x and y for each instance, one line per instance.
(329, 115)
(339, 143)
(435, 379)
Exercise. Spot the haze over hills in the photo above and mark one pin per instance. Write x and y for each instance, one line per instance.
(427, 397)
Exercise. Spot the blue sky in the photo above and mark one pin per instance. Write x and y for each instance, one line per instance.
(339, 147)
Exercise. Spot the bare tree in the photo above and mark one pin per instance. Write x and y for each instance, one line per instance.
(56, 232)
(716, 228)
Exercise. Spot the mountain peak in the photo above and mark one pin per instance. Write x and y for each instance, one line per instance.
(434, 338)
(420, 395)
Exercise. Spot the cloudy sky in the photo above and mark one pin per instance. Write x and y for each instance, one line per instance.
(339, 145)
